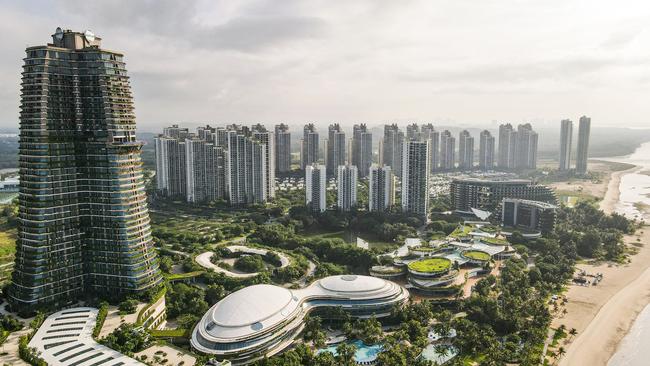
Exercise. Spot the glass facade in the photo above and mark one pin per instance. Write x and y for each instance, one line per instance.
(83, 217)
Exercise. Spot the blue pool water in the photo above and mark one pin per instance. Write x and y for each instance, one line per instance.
(364, 353)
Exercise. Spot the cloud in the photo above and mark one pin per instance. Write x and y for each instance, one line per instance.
(364, 60)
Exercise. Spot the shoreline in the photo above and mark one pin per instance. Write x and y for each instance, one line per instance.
(613, 192)
(604, 315)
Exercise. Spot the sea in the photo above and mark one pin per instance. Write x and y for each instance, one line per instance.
(635, 196)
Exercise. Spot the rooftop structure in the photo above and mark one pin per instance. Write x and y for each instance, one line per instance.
(262, 320)
(66, 339)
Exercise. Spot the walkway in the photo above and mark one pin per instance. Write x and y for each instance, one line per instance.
(65, 339)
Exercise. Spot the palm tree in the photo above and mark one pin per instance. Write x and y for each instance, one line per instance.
(573, 332)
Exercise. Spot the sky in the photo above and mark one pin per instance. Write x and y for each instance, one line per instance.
(455, 62)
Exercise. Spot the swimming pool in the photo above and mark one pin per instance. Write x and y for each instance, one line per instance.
(364, 353)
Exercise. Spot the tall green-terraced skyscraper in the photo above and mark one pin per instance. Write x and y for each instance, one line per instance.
(83, 218)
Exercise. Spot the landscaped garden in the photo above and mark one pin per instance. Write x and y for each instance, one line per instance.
(477, 255)
(430, 265)
(494, 241)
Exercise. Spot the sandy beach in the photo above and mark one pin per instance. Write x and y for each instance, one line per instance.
(610, 199)
(603, 314)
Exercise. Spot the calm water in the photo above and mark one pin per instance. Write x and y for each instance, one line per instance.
(364, 353)
(635, 186)
(635, 193)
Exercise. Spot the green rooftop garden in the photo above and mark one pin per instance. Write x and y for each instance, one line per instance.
(477, 255)
(461, 231)
(424, 249)
(430, 265)
(495, 241)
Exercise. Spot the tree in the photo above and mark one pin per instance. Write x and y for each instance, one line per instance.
(183, 299)
(345, 354)
(128, 306)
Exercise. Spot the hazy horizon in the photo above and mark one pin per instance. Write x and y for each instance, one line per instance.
(463, 64)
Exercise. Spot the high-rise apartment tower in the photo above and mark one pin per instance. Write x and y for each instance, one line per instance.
(486, 151)
(82, 209)
(282, 148)
(566, 135)
(584, 129)
(415, 177)
(335, 148)
(381, 188)
(309, 146)
(361, 149)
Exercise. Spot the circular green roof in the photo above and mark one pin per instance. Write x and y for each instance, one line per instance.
(434, 264)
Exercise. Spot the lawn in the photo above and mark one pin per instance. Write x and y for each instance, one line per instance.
(477, 255)
(430, 265)
(461, 231)
(494, 241)
(7, 242)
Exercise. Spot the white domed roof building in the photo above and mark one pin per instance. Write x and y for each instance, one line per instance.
(262, 320)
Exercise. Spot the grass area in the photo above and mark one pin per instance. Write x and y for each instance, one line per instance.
(166, 333)
(572, 197)
(181, 276)
(477, 255)
(7, 242)
(323, 234)
(424, 249)
(494, 241)
(461, 231)
(430, 265)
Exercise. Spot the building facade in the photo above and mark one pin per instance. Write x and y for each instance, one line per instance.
(361, 149)
(346, 182)
(392, 147)
(582, 154)
(465, 150)
(282, 149)
(486, 151)
(315, 182)
(415, 178)
(526, 147)
(381, 188)
(507, 146)
(205, 171)
(246, 169)
(309, 147)
(487, 194)
(336, 149)
(528, 215)
(170, 166)
(265, 137)
(428, 132)
(82, 210)
(447, 151)
(566, 136)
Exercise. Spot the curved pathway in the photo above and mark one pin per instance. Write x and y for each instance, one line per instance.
(204, 261)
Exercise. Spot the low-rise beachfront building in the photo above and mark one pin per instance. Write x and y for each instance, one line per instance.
(442, 267)
(262, 320)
